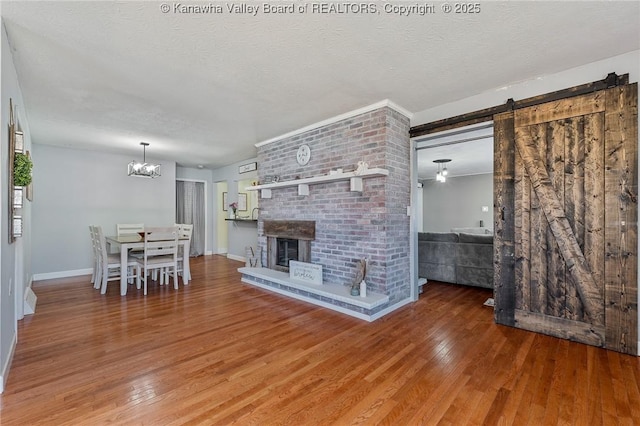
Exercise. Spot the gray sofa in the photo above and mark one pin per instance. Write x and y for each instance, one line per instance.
(458, 258)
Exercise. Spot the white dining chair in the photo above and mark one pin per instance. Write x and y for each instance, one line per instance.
(95, 274)
(110, 263)
(160, 253)
(129, 228)
(185, 230)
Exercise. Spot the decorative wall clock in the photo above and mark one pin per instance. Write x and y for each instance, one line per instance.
(303, 155)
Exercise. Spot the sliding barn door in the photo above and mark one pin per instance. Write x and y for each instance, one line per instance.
(566, 218)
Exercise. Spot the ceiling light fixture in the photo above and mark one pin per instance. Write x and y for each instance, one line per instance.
(144, 169)
(442, 169)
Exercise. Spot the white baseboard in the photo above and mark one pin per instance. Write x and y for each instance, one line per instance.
(235, 257)
(30, 300)
(208, 253)
(222, 250)
(61, 274)
(4, 374)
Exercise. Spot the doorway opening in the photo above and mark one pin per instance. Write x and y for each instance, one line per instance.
(455, 211)
(191, 209)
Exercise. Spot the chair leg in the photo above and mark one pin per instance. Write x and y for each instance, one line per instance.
(138, 272)
(105, 279)
(175, 277)
(97, 283)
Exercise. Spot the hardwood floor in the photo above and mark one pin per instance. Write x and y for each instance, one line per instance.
(221, 352)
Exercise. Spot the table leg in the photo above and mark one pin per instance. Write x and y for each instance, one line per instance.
(123, 269)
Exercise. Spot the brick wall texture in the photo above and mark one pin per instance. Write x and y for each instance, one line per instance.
(372, 224)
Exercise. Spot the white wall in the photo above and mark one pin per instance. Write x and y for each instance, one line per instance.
(221, 232)
(457, 203)
(15, 264)
(74, 189)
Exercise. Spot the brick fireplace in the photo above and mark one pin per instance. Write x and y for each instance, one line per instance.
(351, 222)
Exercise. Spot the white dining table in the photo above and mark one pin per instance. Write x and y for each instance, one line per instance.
(128, 242)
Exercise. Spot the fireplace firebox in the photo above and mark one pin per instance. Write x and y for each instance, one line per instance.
(287, 250)
(288, 240)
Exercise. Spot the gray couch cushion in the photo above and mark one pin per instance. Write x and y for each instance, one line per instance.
(474, 260)
(476, 255)
(475, 238)
(477, 277)
(449, 237)
(437, 256)
(456, 258)
(437, 272)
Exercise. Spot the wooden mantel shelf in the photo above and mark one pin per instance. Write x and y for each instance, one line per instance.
(303, 184)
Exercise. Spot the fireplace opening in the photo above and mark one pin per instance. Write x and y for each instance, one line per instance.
(287, 250)
(288, 240)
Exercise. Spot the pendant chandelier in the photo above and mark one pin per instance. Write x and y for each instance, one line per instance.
(441, 175)
(144, 169)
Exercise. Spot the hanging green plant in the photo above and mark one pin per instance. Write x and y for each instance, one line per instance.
(22, 166)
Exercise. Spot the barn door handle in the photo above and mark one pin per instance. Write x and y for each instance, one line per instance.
(502, 213)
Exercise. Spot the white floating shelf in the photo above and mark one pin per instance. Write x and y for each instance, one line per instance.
(355, 179)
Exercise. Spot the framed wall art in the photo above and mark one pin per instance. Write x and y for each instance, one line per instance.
(12, 146)
(17, 197)
(249, 167)
(242, 201)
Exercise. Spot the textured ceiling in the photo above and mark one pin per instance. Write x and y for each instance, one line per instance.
(470, 150)
(204, 88)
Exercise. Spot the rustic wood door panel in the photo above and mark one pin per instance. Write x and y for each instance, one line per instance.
(566, 210)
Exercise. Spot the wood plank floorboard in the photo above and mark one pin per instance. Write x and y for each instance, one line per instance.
(222, 352)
